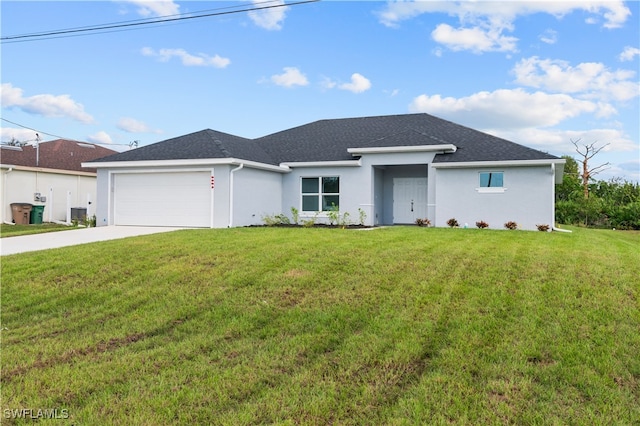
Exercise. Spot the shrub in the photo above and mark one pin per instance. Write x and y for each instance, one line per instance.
(295, 215)
(344, 220)
(333, 214)
(423, 222)
(511, 225)
(278, 219)
(453, 222)
(482, 224)
(362, 216)
(543, 228)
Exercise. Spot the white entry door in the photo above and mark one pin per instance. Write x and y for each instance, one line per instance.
(409, 199)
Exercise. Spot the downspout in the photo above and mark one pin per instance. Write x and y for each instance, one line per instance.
(553, 201)
(240, 167)
(4, 196)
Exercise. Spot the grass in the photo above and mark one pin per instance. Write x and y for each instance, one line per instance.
(403, 325)
(17, 230)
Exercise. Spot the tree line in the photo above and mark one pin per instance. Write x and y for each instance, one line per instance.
(582, 200)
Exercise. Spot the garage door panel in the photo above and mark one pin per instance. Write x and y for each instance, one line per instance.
(163, 199)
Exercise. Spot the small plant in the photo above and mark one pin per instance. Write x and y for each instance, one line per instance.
(295, 215)
(543, 228)
(482, 224)
(511, 225)
(362, 216)
(334, 214)
(344, 220)
(311, 222)
(423, 222)
(453, 223)
(275, 220)
(91, 223)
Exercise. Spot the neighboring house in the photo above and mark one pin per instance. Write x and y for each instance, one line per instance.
(49, 174)
(395, 169)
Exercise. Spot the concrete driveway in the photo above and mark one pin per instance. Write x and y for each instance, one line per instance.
(49, 240)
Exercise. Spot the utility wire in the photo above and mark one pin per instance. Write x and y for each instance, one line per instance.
(124, 24)
(40, 132)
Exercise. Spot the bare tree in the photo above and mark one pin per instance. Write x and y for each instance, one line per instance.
(587, 152)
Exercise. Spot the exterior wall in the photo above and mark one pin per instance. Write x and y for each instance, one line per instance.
(102, 200)
(61, 191)
(355, 191)
(256, 193)
(368, 187)
(528, 198)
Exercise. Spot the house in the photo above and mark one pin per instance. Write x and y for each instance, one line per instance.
(393, 169)
(49, 174)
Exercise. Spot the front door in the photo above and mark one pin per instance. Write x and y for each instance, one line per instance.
(409, 199)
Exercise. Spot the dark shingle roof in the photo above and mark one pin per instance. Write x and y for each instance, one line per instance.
(204, 144)
(328, 140)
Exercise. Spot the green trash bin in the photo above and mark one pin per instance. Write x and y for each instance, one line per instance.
(37, 213)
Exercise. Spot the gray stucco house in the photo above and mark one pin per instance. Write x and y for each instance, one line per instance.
(394, 168)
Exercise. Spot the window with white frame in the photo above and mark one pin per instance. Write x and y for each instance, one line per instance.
(320, 193)
(491, 179)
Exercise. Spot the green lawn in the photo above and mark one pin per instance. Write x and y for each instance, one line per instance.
(402, 325)
(16, 230)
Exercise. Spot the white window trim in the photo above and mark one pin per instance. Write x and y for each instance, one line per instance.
(319, 213)
(491, 189)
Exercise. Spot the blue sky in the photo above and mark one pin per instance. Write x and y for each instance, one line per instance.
(538, 73)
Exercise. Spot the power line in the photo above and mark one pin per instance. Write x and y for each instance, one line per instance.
(45, 35)
(40, 132)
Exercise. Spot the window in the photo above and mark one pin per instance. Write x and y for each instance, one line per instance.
(320, 193)
(491, 179)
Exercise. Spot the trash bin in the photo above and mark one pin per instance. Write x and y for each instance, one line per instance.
(37, 213)
(79, 214)
(21, 213)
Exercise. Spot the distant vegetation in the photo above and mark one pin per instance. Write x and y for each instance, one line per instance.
(609, 204)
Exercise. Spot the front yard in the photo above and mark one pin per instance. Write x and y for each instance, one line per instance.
(401, 325)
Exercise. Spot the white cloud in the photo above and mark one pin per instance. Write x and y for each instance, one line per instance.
(188, 60)
(525, 118)
(549, 36)
(291, 77)
(629, 53)
(483, 23)
(44, 104)
(20, 134)
(153, 8)
(358, 84)
(589, 80)
(559, 140)
(100, 137)
(476, 39)
(271, 18)
(131, 125)
(505, 109)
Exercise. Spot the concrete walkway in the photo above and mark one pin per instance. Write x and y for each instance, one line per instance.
(49, 240)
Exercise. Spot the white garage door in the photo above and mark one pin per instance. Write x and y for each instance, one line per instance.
(163, 199)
